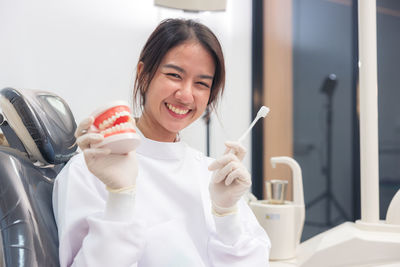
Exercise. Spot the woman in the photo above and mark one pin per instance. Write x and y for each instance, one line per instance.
(164, 204)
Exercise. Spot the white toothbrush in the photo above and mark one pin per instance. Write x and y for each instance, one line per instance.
(262, 113)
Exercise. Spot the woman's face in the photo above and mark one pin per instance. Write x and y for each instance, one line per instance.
(179, 91)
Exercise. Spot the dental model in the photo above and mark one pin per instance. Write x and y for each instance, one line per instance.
(115, 123)
(262, 113)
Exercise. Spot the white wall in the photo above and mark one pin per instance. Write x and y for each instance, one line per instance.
(86, 51)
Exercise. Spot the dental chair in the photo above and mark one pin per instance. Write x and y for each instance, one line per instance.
(39, 129)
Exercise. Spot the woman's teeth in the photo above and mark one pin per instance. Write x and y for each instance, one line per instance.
(177, 110)
(118, 128)
(110, 121)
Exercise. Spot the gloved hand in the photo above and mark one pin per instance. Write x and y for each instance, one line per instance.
(230, 180)
(117, 172)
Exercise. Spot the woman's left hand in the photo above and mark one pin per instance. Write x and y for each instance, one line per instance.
(230, 180)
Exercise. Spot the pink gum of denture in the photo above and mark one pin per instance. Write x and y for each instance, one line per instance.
(115, 123)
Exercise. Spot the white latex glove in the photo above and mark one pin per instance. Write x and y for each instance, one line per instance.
(117, 172)
(230, 180)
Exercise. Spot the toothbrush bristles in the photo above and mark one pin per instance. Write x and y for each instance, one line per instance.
(263, 112)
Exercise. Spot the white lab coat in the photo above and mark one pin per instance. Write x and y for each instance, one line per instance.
(170, 224)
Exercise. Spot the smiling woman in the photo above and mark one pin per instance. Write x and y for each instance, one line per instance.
(165, 203)
(162, 40)
(178, 93)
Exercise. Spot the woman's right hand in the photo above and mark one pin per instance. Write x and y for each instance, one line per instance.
(117, 172)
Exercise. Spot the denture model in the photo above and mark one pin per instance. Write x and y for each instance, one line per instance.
(115, 123)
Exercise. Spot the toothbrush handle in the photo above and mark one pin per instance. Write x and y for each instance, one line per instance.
(248, 130)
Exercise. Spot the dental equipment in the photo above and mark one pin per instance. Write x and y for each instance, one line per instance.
(283, 220)
(369, 241)
(262, 113)
(115, 123)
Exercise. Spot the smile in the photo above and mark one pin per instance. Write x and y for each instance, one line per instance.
(177, 110)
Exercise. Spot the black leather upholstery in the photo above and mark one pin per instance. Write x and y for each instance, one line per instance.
(28, 230)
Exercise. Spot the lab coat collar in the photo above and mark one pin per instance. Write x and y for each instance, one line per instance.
(160, 150)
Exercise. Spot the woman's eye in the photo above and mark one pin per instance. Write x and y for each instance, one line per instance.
(204, 84)
(174, 75)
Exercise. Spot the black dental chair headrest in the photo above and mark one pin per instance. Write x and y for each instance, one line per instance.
(41, 121)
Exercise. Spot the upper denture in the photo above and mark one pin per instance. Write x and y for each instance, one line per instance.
(115, 120)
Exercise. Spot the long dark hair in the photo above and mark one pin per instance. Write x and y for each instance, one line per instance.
(169, 34)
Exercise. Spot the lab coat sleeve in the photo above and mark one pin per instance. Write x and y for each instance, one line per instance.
(239, 240)
(88, 235)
